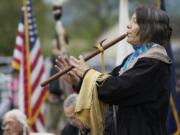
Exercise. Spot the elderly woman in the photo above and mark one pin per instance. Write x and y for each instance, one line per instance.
(140, 86)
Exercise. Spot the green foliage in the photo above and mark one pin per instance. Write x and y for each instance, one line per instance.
(97, 17)
(9, 14)
(10, 17)
(45, 25)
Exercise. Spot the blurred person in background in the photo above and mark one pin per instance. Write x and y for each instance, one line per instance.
(15, 123)
(5, 102)
(58, 89)
(13, 86)
(74, 126)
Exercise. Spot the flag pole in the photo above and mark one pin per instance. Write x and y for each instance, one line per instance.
(26, 51)
(158, 4)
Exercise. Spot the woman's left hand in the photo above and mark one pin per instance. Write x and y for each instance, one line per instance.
(80, 65)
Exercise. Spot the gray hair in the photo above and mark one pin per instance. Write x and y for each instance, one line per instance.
(71, 100)
(21, 117)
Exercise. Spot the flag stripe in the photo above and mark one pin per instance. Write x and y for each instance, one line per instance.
(19, 40)
(36, 70)
(37, 80)
(36, 60)
(36, 93)
(39, 125)
(21, 28)
(18, 49)
(20, 35)
(35, 50)
(41, 118)
(33, 127)
(39, 102)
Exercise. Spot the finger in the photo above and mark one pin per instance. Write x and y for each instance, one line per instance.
(56, 67)
(71, 73)
(59, 63)
(62, 62)
(74, 62)
(68, 73)
(78, 76)
(59, 60)
(81, 58)
(76, 72)
(74, 75)
(67, 61)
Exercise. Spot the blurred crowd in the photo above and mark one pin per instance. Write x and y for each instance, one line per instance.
(59, 112)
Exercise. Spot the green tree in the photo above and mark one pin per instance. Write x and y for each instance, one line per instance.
(10, 17)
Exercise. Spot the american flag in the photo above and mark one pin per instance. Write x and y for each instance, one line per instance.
(28, 59)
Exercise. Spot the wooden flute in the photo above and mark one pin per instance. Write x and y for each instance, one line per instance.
(92, 54)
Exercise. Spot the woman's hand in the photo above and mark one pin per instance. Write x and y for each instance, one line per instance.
(63, 63)
(80, 65)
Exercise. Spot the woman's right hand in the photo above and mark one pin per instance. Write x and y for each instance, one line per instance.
(63, 63)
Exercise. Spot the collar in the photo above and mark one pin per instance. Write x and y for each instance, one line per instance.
(138, 50)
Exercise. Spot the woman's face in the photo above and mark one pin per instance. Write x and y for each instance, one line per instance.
(133, 31)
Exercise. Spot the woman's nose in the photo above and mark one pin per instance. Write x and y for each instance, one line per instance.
(129, 26)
